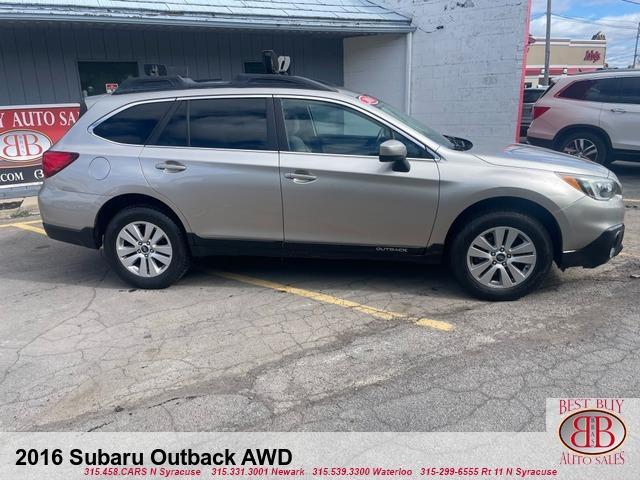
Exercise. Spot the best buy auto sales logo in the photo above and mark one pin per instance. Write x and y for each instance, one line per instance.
(23, 145)
(593, 431)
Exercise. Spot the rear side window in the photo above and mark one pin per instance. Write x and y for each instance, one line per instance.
(234, 123)
(630, 90)
(175, 132)
(133, 125)
(597, 90)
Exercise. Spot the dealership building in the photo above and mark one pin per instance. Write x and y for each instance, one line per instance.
(457, 65)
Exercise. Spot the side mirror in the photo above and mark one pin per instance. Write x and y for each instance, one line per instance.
(396, 152)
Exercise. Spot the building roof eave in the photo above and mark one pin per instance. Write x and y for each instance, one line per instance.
(399, 24)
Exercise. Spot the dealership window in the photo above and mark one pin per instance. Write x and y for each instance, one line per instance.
(96, 78)
(133, 125)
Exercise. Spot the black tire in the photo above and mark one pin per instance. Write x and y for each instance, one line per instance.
(528, 225)
(604, 155)
(180, 260)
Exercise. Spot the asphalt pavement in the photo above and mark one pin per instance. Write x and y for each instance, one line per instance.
(267, 344)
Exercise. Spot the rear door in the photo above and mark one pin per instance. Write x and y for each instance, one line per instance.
(335, 190)
(620, 115)
(216, 159)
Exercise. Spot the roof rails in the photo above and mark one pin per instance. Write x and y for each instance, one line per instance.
(154, 84)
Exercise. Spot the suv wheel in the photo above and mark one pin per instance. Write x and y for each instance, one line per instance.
(587, 145)
(146, 248)
(501, 255)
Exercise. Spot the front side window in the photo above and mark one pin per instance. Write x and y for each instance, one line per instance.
(134, 124)
(319, 127)
(233, 123)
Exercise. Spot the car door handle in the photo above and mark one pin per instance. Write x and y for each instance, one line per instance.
(300, 177)
(171, 167)
(618, 110)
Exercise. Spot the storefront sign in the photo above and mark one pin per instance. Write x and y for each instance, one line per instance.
(26, 132)
(592, 56)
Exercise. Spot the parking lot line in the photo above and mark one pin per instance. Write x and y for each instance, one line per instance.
(20, 223)
(324, 298)
(633, 200)
(317, 296)
(29, 227)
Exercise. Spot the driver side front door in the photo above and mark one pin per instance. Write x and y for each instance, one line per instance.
(335, 190)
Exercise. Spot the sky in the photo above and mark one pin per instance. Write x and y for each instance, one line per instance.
(618, 21)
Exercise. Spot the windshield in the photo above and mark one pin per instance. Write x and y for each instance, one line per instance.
(415, 124)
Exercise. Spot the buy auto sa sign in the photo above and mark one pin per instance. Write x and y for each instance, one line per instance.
(26, 132)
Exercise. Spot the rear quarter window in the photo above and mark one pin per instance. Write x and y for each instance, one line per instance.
(593, 90)
(134, 124)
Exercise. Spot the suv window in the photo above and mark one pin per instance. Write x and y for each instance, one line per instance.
(319, 127)
(532, 95)
(133, 125)
(630, 90)
(174, 134)
(596, 90)
(235, 123)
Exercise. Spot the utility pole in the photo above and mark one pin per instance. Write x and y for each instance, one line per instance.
(635, 56)
(547, 48)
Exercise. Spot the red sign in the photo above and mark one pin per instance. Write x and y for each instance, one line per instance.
(110, 87)
(592, 56)
(25, 134)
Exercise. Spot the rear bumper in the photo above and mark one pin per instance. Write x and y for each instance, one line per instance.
(598, 252)
(540, 142)
(84, 237)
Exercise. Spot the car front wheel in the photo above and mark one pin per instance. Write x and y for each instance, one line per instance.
(501, 255)
(146, 248)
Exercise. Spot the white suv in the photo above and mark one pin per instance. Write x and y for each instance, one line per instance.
(595, 116)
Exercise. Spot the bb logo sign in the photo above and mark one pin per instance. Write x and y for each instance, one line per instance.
(592, 432)
(26, 132)
(23, 145)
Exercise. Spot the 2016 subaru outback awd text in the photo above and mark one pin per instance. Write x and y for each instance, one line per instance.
(164, 171)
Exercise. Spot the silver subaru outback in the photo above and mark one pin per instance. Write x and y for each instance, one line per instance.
(167, 169)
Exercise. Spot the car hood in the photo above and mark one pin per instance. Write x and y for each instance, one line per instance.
(527, 156)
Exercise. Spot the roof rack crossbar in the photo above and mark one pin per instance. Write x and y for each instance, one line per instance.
(152, 84)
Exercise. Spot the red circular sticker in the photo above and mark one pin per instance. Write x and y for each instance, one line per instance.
(369, 100)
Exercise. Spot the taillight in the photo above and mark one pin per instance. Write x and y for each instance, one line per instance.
(53, 162)
(537, 111)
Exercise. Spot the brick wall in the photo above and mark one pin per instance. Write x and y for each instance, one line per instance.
(467, 65)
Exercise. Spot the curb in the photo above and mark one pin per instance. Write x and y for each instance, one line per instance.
(18, 208)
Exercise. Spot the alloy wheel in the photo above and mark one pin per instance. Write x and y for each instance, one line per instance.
(582, 148)
(501, 257)
(144, 249)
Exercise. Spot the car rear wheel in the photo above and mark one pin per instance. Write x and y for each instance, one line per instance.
(501, 256)
(586, 145)
(146, 248)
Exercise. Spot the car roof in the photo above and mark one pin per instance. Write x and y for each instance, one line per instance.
(612, 73)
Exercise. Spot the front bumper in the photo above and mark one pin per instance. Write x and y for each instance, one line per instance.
(540, 142)
(598, 252)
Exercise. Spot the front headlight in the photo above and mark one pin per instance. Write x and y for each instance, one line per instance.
(598, 188)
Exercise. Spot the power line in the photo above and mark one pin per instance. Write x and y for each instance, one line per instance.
(631, 1)
(592, 22)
